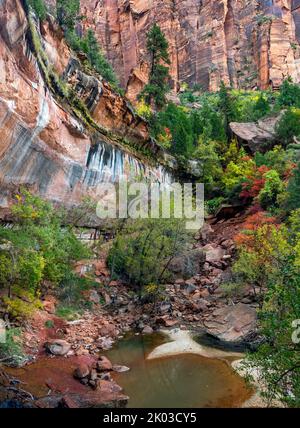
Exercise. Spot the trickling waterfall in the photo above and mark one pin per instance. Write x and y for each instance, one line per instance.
(106, 163)
(43, 116)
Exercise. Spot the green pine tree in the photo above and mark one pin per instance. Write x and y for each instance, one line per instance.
(225, 104)
(67, 13)
(97, 59)
(157, 46)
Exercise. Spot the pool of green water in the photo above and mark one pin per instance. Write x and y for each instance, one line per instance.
(185, 381)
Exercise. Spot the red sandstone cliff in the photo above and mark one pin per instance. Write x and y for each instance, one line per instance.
(247, 43)
(51, 144)
(61, 146)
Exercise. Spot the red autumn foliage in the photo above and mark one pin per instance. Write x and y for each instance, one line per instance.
(254, 184)
(253, 222)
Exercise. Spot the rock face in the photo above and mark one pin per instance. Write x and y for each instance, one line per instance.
(46, 142)
(232, 323)
(245, 43)
(50, 147)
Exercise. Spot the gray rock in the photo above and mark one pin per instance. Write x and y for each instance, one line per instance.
(188, 264)
(147, 330)
(165, 308)
(57, 347)
(232, 323)
(191, 288)
(120, 369)
(94, 297)
(260, 136)
(215, 254)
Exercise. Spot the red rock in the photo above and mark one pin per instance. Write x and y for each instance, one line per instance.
(103, 364)
(205, 293)
(226, 36)
(82, 371)
(49, 304)
(170, 323)
(68, 402)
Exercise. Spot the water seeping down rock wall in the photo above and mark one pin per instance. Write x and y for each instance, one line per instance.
(43, 145)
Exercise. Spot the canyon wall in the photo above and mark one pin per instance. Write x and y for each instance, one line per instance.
(246, 43)
(44, 142)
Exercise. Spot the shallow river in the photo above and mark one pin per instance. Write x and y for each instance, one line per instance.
(184, 381)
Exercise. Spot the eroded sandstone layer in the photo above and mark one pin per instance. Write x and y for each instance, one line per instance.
(44, 142)
(245, 43)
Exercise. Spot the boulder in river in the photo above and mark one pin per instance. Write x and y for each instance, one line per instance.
(232, 324)
(120, 369)
(104, 364)
(147, 330)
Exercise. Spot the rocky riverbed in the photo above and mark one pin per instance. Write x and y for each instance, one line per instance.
(196, 304)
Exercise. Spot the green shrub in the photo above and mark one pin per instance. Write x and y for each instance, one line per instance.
(39, 8)
(143, 251)
(97, 59)
(289, 95)
(288, 126)
(68, 13)
(277, 159)
(236, 172)
(72, 296)
(69, 313)
(11, 352)
(49, 324)
(292, 200)
(272, 188)
(22, 304)
(278, 357)
(214, 204)
(208, 123)
(177, 120)
(37, 248)
(209, 159)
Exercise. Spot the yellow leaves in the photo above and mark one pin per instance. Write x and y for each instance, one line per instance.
(236, 171)
(297, 252)
(143, 109)
(23, 304)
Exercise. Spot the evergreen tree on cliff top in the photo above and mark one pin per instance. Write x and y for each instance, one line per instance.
(157, 46)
